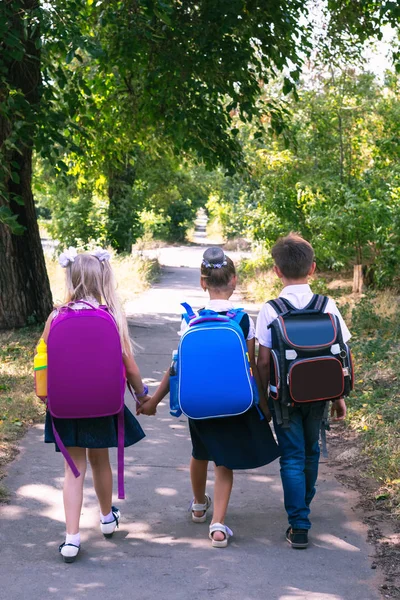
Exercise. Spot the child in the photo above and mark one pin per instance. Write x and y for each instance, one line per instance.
(89, 278)
(299, 444)
(239, 442)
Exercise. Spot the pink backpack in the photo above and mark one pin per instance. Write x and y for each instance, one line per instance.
(86, 374)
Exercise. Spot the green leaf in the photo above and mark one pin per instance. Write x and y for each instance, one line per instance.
(70, 56)
(15, 177)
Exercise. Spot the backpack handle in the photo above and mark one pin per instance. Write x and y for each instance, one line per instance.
(303, 311)
(70, 304)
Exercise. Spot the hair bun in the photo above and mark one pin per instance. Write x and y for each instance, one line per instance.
(214, 258)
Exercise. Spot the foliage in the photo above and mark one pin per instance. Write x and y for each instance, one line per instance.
(374, 408)
(335, 178)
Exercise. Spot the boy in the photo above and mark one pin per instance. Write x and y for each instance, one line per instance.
(299, 444)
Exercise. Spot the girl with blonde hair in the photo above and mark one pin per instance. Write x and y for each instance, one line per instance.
(90, 283)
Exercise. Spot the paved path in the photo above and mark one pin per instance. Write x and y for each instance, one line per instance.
(158, 553)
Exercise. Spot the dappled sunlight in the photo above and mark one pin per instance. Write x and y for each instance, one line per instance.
(332, 542)
(166, 491)
(45, 494)
(260, 478)
(177, 426)
(83, 587)
(10, 511)
(298, 594)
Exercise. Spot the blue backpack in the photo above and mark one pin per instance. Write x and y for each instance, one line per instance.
(211, 375)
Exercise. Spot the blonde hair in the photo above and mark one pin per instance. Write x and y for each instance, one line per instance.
(86, 277)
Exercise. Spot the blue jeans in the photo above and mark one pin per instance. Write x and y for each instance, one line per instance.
(299, 460)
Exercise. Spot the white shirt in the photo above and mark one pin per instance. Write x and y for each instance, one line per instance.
(298, 295)
(219, 305)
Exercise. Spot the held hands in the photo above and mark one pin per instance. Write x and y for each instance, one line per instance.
(147, 406)
(338, 407)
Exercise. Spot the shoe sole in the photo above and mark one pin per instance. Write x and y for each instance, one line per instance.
(219, 543)
(297, 546)
(69, 559)
(199, 519)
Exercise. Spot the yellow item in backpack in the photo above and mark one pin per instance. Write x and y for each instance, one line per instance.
(40, 368)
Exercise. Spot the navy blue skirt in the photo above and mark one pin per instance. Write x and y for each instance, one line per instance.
(101, 432)
(241, 442)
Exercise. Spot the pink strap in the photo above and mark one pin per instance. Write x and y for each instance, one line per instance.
(64, 451)
(131, 390)
(121, 448)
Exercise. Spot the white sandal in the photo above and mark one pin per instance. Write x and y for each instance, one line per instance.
(200, 507)
(223, 529)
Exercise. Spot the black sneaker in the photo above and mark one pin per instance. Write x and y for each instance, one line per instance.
(297, 538)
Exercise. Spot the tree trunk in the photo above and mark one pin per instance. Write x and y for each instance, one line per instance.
(358, 279)
(25, 294)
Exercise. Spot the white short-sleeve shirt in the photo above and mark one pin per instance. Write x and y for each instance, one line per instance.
(298, 295)
(221, 306)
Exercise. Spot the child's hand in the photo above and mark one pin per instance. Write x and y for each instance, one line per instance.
(147, 406)
(338, 407)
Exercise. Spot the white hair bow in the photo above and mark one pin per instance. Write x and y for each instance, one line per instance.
(67, 257)
(101, 254)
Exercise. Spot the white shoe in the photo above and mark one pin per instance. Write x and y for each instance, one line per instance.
(223, 529)
(200, 507)
(107, 529)
(69, 552)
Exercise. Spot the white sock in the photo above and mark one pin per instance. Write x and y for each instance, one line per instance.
(107, 518)
(74, 539)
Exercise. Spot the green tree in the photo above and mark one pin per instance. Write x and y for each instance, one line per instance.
(176, 70)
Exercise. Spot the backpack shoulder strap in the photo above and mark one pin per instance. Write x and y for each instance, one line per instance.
(245, 325)
(189, 314)
(281, 305)
(242, 319)
(318, 302)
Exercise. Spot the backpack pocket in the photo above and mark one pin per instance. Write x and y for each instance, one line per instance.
(348, 371)
(174, 408)
(275, 378)
(314, 379)
(309, 332)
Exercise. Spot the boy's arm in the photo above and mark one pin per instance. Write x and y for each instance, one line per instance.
(251, 345)
(263, 362)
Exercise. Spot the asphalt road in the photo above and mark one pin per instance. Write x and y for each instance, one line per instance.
(158, 553)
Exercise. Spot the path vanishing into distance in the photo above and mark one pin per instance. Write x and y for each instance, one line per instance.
(158, 553)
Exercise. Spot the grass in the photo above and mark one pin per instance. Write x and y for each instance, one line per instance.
(132, 273)
(19, 407)
(374, 406)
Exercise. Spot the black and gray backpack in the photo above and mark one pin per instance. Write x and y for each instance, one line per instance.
(309, 360)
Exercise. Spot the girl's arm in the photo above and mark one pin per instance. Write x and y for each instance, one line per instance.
(46, 329)
(133, 376)
(149, 407)
(251, 349)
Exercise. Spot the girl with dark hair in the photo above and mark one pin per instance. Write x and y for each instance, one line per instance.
(240, 442)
